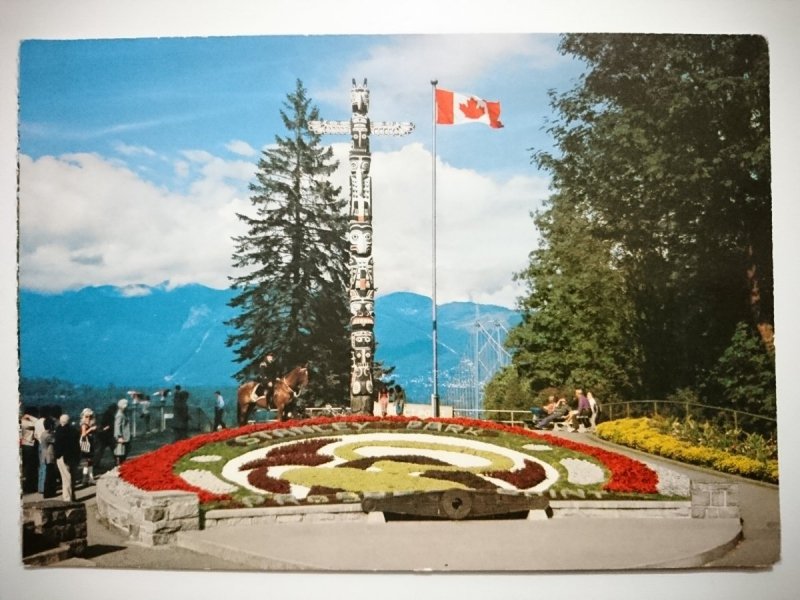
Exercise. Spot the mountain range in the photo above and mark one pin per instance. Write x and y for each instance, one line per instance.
(159, 336)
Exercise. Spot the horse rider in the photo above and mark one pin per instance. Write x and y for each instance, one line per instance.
(268, 375)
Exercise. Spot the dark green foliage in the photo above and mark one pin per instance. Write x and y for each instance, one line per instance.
(293, 260)
(744, 376)
(508, 391)
(657, 240)
(577, 328)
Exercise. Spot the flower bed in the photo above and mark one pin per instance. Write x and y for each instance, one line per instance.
(640, 434)
(325, 459)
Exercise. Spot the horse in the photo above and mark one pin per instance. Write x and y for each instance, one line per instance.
(285, 389)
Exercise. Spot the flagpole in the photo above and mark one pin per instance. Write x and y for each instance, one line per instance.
(435, 393)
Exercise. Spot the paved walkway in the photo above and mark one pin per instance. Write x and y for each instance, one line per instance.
(470, 546)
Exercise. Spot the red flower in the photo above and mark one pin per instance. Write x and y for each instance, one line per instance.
(154, 471)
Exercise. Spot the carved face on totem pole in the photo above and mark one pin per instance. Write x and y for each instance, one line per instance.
(360, 237)
(359, 132)
(359, 173)
(360, 189)
(362, 309)
(359, 97)
(361, 278)
(362, 345)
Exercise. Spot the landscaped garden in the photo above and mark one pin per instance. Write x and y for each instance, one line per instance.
(335, 460)
(728, 450)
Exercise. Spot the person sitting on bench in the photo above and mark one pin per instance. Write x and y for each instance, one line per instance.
(559, 413)
(579, 417)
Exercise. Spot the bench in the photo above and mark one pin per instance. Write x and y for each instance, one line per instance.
(585, 423)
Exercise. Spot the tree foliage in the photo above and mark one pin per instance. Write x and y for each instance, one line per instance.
(577, 323)
(744, 376)
(293, 260)
(657, 240)
(508, 391)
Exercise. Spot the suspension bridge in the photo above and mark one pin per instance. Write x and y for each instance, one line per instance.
(483, 357)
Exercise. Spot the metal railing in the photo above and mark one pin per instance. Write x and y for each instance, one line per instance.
(327, 411)
(510, 417)
(626, 409)
(160, 417)
(646, 408)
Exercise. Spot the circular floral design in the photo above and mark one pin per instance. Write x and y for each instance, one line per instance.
(392, 464)
(350, 456)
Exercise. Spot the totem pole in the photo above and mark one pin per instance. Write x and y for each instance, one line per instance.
(362, 284)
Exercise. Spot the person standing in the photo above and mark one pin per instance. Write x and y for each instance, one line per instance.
(48, 457)
(39, 429)
(68, 455)
(122, 432)
(104, 436)
(88, 426)
(219, 411)
(399, 400)
(383, 400)
(180, 410)
(29, 448)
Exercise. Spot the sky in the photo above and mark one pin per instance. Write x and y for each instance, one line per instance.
(136, 154)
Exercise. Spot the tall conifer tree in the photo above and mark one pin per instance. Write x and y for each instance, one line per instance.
(664, 150)
(293, 260)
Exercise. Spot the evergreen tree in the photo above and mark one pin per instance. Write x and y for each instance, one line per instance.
(577, 328)
(293, 260)
(664, 147)
(744, 376)
(508, 391)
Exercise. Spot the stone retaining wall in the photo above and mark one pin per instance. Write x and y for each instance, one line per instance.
(151, 518)
(715, 500)
(284, 514)
(622, 509)
(155, 518)
(53, 530)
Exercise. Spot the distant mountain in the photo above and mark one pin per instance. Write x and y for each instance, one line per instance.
(151, 336)
(137, 335)
(403, 331)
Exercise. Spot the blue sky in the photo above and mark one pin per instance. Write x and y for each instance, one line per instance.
(136, 153)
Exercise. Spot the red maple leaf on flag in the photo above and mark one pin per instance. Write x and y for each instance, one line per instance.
(472, 109)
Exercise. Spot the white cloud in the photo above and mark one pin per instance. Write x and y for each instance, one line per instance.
(87, 220)
(134, 291)
(197, 156)
(484, 229)
(181, 168)
(129, 150)
(241, 148)
(399, 68)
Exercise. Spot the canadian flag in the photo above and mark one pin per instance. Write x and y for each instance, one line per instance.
(453, 108)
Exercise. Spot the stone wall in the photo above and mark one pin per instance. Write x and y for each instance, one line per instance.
(715, 500)
(151, 518)
(621, 509)
(53, 530)
(284, 514)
